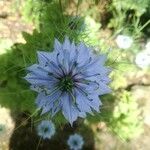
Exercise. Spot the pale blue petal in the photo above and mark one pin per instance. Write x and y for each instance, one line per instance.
(57, 45)
(83, 54)
(41, 100)
(66, 44)
(103, 89)
(94, 101)
(37, 80)
(50, 103)
(45, 57)
(82, 102)
(69, 111)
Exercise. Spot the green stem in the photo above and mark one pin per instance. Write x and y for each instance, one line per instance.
(144, 25)
(61, 7)
(74, 100)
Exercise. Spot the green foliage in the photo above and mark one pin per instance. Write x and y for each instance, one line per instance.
(52, 22)
(126, 121)
(121, 113)
(14, 92)
(138, 6)
(126, 15)
(118, 81)
(92, 30)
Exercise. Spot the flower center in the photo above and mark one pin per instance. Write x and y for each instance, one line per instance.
(75, 143)
(66, 83)
(45, 129)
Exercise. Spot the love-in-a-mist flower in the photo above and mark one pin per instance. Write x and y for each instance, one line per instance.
(142, 59)
(75, 142)
(70, 79)
(124, 41)
(46, 129)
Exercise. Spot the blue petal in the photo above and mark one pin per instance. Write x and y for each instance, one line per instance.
(89, 87)
(45, 57)
(54, 69)
(103, 89)
(105, 80)
(66, 62)
(57, 45)
(100, 60)
(36, 88)
(101, 70)
(66, 44)
(49, 103)
(69, 111)
(57, 107)
(38, 80)
(100, 88)
(33, 67)
(94, 101)
(37, 70)
(97, 61)
(83, 54)
(99, 75)
(73, 52)
(82, 102)
(41, 100)
(82, 114)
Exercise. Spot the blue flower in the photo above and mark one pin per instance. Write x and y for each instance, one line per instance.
(75, 142)
(70, 79)
(46, 129)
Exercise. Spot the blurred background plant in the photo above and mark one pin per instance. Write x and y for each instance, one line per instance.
(119, 28)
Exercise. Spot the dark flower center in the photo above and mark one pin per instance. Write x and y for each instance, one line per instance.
(66, 83)
(75, 143)
(45, 129)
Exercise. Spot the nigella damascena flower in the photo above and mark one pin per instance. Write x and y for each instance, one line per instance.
(70, 79)
(142, 59)
(46, 129)
(75, 142)
(124, 41)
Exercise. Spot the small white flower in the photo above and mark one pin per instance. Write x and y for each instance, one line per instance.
(46, 129)
(124, 41)
(75, 142)
(143, 59)
(148, 46)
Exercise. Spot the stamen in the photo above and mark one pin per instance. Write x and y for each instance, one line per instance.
(73, 97)
(66, 83)
(53, 91)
